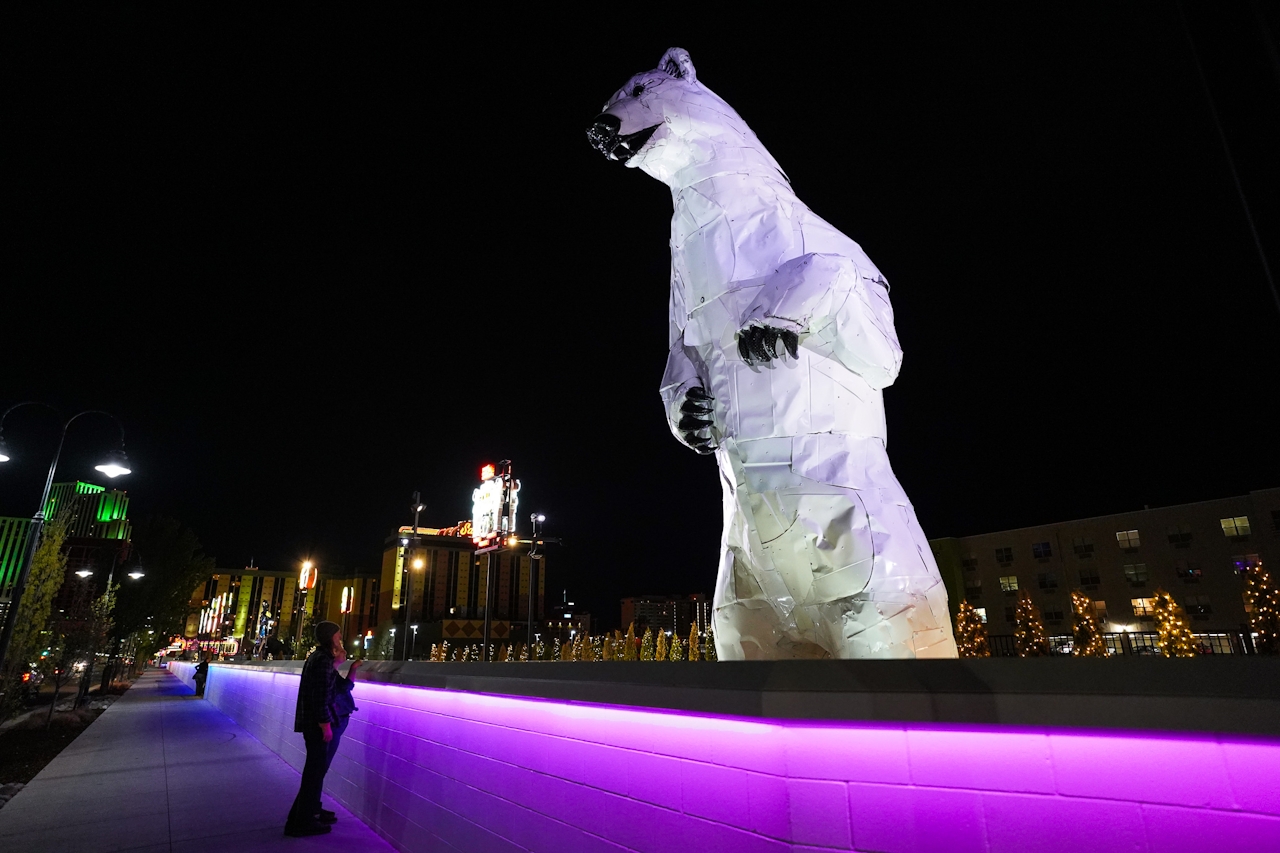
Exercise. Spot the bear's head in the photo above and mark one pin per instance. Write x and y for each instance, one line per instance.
(673, 128)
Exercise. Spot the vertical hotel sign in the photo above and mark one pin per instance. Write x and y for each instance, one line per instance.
(399, 575)
(493, 506)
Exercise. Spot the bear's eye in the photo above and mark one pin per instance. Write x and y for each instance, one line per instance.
(637, 90)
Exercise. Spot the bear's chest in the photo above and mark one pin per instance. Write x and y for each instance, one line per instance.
(726, 230)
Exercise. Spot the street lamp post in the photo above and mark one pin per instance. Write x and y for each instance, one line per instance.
(535, 556)
(418, 507)
(116, 464)
(414, 626)
(135, 574)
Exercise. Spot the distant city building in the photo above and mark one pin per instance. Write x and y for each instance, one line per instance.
(98, 533)
(447, 583)
(667, 612)
(248, 605)
(565, 621)
(13, 543)
(1196, 552)
(349, 599)
(92, 512)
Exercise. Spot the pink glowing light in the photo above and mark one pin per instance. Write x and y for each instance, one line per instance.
(466, 767)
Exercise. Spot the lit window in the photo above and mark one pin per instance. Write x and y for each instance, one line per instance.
(1128, 538)
(1241, 563)
(1047, 580)
(1100, 611)
(1009, 583)
(982, 614)
(1180, 535)
(1143, 606)
(1136, 573)
(1042, 550)
(1238, 526)
(1004, 556)
(1089, 577)
(1083, 547)
(1188, 572)
(970, 564)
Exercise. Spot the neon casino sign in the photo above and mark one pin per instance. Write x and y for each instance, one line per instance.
(493, 504)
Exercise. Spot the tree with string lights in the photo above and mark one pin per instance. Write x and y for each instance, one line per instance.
(971, 634)
(1263, 597)
(1086, 636)
(1175, 640)
(1028, 629)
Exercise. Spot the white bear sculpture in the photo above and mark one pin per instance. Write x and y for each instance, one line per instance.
(781, 340)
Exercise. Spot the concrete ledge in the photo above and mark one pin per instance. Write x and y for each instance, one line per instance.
(1238, 695)
(931, 756)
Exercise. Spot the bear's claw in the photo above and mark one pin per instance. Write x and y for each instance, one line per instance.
(696, 416)
(760, 344)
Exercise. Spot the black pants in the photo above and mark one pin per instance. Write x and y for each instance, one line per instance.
(319, 756)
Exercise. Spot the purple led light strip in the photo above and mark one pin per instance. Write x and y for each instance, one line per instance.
(478, 768)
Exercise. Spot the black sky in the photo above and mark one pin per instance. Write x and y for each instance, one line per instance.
(318, 258)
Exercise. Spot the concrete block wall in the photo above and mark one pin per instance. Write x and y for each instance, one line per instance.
(449, 770)
(185, 671)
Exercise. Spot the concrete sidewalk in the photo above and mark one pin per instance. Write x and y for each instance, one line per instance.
(161, 770)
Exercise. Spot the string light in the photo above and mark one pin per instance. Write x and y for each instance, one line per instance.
(1086, 638)
(1028, 631)
(1263, 598)
(1175, 638)
(971, 634)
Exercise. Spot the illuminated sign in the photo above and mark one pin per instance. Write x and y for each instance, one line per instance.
(307, 577)
(493, 504)
(462, 528)
(347, 595)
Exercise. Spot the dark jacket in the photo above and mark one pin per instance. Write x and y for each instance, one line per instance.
(323, 695)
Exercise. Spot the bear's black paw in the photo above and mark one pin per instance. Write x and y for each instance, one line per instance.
(696, 417)
(760, 344)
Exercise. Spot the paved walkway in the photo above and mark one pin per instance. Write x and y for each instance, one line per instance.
(163, 771)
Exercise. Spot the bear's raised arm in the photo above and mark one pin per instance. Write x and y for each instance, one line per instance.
(837, 310)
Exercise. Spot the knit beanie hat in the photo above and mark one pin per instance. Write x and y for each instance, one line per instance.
(325, 632)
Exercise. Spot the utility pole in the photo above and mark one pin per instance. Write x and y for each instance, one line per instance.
(408, 575)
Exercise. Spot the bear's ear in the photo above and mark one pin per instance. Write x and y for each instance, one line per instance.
(677, 63)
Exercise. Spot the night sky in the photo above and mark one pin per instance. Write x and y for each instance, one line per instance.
(317, 259)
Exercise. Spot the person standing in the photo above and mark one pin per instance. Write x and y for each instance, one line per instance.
(323, 710)
(201, 675)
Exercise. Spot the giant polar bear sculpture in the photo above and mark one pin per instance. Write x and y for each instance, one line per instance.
(781, 339)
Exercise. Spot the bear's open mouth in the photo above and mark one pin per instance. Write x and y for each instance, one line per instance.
(618, 146)
(628, 146)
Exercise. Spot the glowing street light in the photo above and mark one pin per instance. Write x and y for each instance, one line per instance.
(116, 464)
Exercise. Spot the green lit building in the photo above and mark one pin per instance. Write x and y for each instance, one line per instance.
(98, 533)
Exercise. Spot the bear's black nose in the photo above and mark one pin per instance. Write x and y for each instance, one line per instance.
(603, 133)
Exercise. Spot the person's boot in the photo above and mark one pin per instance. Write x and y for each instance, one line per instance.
(326, 817)
(303, 830)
